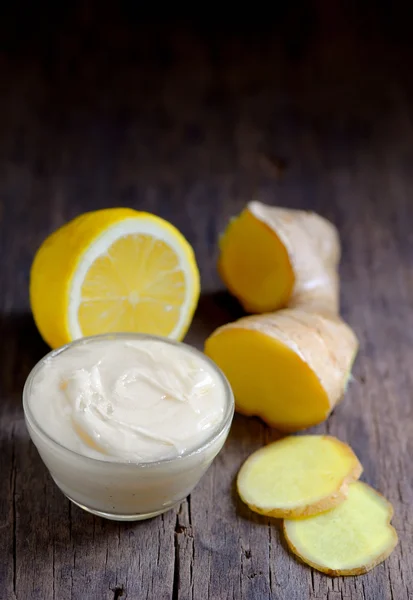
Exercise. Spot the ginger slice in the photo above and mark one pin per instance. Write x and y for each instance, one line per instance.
(350, 539)
(271, 257)
(298, 476)
(290, 368)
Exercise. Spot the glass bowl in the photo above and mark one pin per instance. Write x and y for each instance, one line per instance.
(126, 491)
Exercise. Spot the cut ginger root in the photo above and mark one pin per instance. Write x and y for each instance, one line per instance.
(272, 257)
(289, 368)
(298, 476)
(350, 539)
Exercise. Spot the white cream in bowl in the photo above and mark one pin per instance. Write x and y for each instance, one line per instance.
(127, 424)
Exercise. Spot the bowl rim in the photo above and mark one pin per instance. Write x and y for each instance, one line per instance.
(215, 434)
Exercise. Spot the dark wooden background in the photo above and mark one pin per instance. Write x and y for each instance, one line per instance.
(310, 105)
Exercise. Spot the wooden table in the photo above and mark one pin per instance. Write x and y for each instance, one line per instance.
(98, 109)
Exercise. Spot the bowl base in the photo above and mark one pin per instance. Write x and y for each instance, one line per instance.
(119, 517)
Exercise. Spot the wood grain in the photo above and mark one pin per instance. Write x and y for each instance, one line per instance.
(190, 121)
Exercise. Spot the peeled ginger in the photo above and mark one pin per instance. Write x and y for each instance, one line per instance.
(290, 368)
(272, 257)
(350, 539)
(298, 476)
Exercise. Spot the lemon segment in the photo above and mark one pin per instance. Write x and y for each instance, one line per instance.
(114, 270)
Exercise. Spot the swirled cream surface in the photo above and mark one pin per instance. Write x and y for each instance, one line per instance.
(126, 400)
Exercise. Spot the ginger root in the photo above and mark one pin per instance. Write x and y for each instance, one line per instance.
(290, 368)
(298, 476)
(273, 257)
(350, 539)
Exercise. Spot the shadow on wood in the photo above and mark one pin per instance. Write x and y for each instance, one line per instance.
(214, 310)
(21, 348)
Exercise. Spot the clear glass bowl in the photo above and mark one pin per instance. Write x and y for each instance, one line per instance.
(126, 491)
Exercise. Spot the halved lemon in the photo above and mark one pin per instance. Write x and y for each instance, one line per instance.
(114, 270)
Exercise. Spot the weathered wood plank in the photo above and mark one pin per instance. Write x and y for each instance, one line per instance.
(97, 110)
